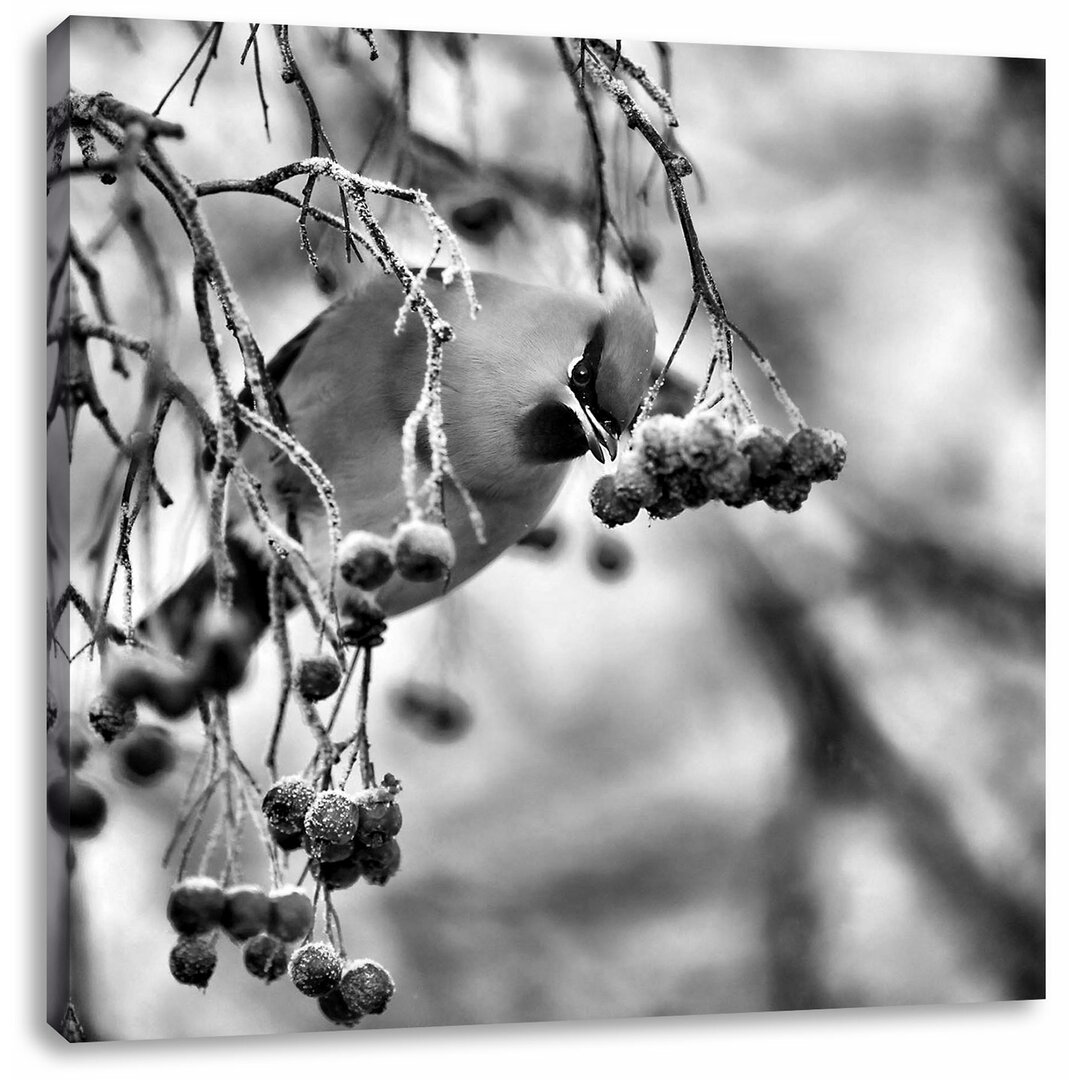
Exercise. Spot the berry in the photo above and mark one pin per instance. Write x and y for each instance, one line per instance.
(669, 504)
(247, 911)
(610, 558)
(286, 802)
(75, 807)
(112, 717)
(192, 961)
(788, 492)
(317, 677)
(433, 711)
(366, 986)
(73, 749)
(376, 865)
(611, 508)
(658, 440)
(168, 688)
(324, 851)
(363, 622)
(730, 480)
(291, 913)
(764, 449)
(315, 969)
(379, 821)
(287, 841)
(542, 538)
(633, 479)
(836, 455)
(265, 957)
(705, 440)
(196, 905)
(423, 551)
(807, 454)
(337, 1010)
(332, 817)
(148, 755)
(223, 645)
(690, 487)
(365, 560)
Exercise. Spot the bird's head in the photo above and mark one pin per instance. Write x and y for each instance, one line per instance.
(588, 382)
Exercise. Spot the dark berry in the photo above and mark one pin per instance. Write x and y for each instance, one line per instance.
(366, 986)
(379, 864)
(634, 480)
(610, 507)
(247, 911)
(543, 538)
(167, 687)
(365, 560)
(287, 841)
(787, 492)
(764, 449)
(192, 961)
(332, 817)
(730, 480)
(363, 622)
(315, 969)
(196, 905)
(705, 439)
(291, 913)
(423, 551)
(265, 957)
(325, 851)
(317, 677)
(223, 645)
(379, 821)
(807, 454)
(75, 807)
(147, 755)
(610, 558)
(112, 717)
(73, 749)
(836, 455)
(668, 504)
(338, 1011)
(689, 485)
(286, 802)
(434, 712)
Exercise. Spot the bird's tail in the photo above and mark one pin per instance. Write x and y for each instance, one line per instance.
(174, 622)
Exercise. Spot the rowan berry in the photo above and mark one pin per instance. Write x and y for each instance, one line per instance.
(247, 911)
(196, 905)
(286, 802)
(611, 508)
(423, 551)
(75, 807)
(112, 717)
(332, 817)
(315, 969)
(265, 957)
(366, 986)
(317, 677)
(291, 913)
(192, 961)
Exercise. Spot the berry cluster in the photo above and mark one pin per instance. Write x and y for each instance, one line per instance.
(679, 463)
(346, 837)
(419, 551)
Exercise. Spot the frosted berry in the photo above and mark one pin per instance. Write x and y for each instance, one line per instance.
(315, 969)
(196, 905)
(365, 560)
(379, 821)
(610, 558)
(291, 913)
(434, 712)
(807, 454)
(112, 717)
(366, 986)
(287, 841)
(689, 486)
(247, 911)
(265, 957)
(148, 755)
(75, 807)
(669, 504)
(634, 480)
(836, 455)
(332, 817)
(423, 551)
(223, 645)
(324, 851)
(658, 439)
(192, 961)
(705, 439)
(764, 449)
(787, 493)
(730, 480)
(608, 506)
(286, 802)
(338, 1011)
(317, 677)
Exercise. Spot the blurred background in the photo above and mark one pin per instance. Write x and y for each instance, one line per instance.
(748, 761)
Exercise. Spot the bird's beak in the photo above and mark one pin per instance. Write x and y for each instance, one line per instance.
(601, 440)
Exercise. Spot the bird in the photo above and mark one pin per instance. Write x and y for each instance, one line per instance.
(539, 378)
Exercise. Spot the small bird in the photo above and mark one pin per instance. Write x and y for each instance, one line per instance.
(539, 378)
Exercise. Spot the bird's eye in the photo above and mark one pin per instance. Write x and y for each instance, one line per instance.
(580, 374)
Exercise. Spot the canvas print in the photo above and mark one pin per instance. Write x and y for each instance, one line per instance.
(538, 529)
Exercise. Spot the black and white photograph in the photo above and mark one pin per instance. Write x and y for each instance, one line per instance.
(538, 528)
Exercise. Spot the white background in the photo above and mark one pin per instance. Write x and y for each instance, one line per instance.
(1007, 1040)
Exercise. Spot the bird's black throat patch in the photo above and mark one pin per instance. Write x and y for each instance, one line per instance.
(551, 432)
